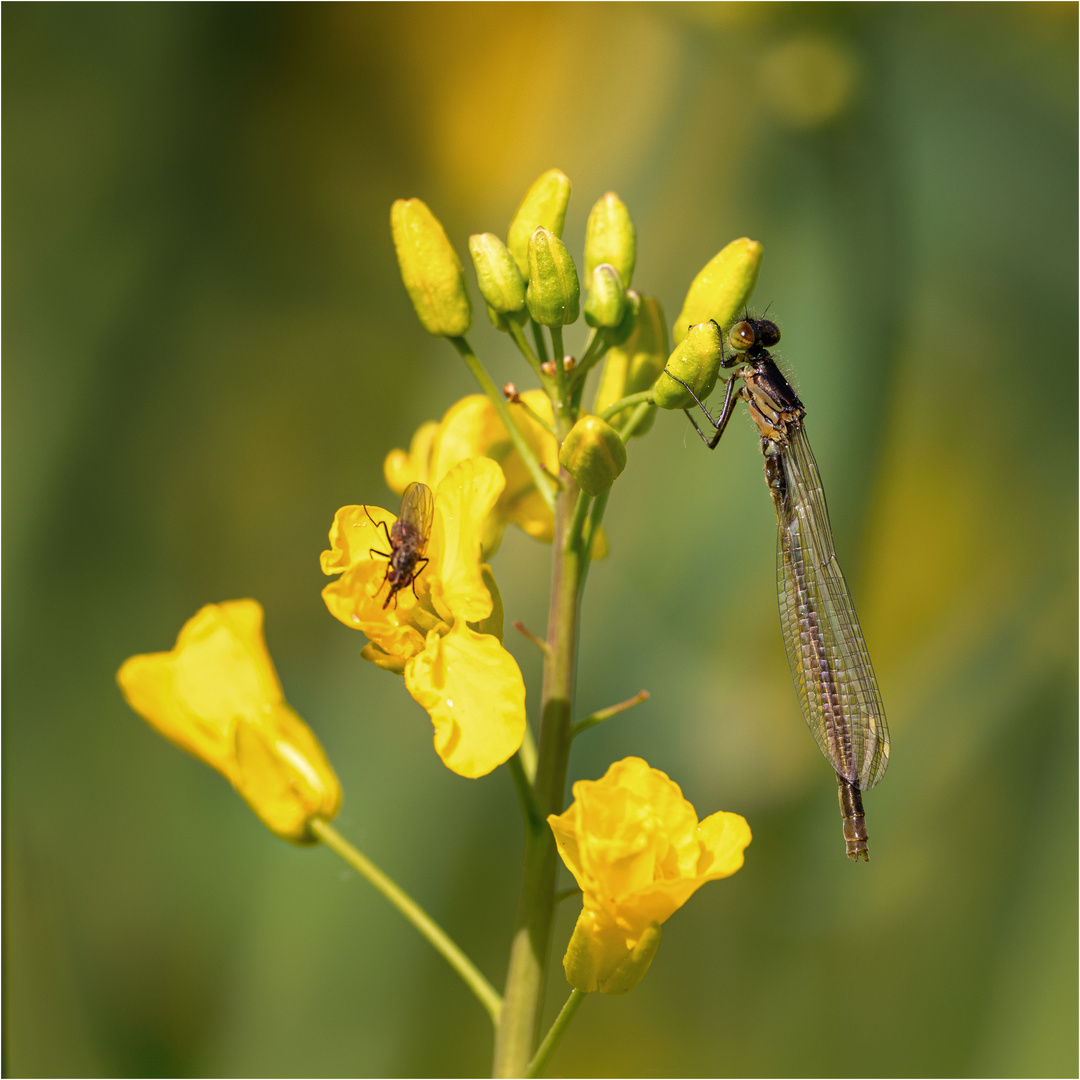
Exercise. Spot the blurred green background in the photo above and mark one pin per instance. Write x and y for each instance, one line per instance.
(208, 350)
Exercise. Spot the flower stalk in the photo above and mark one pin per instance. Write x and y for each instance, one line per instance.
(486, 994)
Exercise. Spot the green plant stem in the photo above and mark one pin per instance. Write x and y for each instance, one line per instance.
(556, 1032)
(524, 791)
(529, 951)
(526, 349)
(558, 356)
(645, 396)
(485, 992)
(538, 337)
(598, 507)
(601, 715)
(636, 417)
(539, 477)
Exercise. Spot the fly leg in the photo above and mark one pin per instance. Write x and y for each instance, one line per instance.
(416, 574)
(386, 533)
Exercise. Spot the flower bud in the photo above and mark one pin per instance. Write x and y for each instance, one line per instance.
(500, 281)
(696, 360)
(722, 288)
(593, 454)
(553, 294)
(636, 364)
(610, 237)
(544, 204)
(606, 302)
(431, 269)
(618, 334)
(580, 963)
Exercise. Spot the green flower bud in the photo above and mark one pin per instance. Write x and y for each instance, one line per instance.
(553, 294)
(431, 269)
(722, 288)
(618, 334)
(610, 237)
(593, 454)
(500, 281)
(636, 364)
(606, 302)
(696, 360)
(544, 204)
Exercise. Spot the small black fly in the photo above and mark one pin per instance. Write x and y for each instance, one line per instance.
(408, 538)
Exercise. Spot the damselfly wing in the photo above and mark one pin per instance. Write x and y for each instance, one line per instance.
(408, 538)
(829, 662)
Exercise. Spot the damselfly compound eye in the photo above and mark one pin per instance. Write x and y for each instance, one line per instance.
(768, 333)
(741, 336)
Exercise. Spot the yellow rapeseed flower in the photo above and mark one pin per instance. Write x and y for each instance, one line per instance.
(217, 696)
(638, 851)
(472, 428)
(435, 631)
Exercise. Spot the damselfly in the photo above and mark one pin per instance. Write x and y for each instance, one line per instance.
(830, 666)
(408, 538)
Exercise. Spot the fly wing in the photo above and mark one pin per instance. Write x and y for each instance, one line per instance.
(418, 511)
(826, 652)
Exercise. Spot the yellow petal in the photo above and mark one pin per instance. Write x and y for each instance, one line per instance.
(283, 774)
(402, 468)
(474, 693)
(356, 532)
(218, 671)
(217, 695)
(463, 500)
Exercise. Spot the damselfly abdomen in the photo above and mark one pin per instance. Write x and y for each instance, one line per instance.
(830, 666)
(408, 538)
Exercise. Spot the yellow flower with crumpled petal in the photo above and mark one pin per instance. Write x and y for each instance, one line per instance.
(217, 696)
(472, 428)
(436, 632)
(638, 851)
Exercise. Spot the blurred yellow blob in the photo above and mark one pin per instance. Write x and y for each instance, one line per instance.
(217, 696)
(433, 631)
(638, 851)
(807, 80)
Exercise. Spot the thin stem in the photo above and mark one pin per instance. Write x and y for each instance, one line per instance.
(597, 515)
(525, 348)
(595, 349)
(539, 642)
(539, 477)
(522, 782)
(566, 894)
(538, 337)
(558, 355)
(551, 1039)
(601, 715)
(485, 992)
(534, 415)
(636, 418)
(626, 402)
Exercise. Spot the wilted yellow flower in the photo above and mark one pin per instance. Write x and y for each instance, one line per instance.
(472, 428)
(638, 851)
(217, 696)
(436, 631)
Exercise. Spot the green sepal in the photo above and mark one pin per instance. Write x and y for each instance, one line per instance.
(500, 281)
(722, 288)
(544, 204)
(610, 237)
(632, 970)
(431, 270)
(553, 295)
(635, 365)
(606, 303)
(696, 361)
(593, 454)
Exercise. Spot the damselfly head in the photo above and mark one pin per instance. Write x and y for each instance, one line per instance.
(747, 333)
